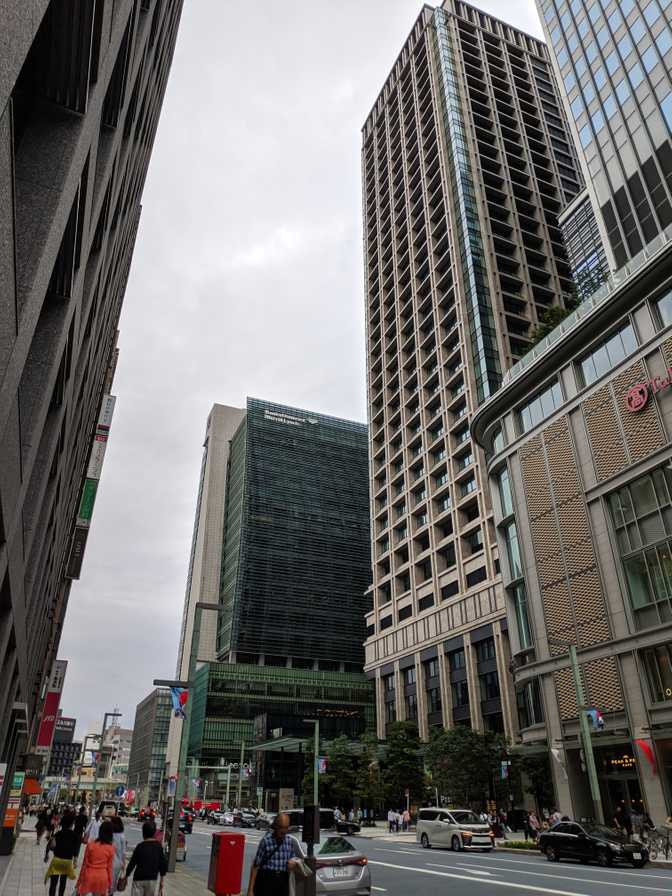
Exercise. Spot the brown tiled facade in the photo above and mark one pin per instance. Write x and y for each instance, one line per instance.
(581, 481)
(467, 162)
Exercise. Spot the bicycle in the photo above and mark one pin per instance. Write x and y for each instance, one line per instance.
(659, 843)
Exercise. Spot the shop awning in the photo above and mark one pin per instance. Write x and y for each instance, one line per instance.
(32, 787)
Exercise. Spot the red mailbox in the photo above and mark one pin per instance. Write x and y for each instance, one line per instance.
(226, 864)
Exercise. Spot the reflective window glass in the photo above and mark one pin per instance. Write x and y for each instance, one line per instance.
(600, 78)
(636, 75)
(594, 13)
(581, 67)
(556, 36)
(625, 46)
(615, 20)
(505, 494)
(664, 304)
(583, 27)
(652, 12)
(576, 6)
(577, 107)
(566, 19)
(589, 93)
(602, 36)
(627, 6)
(650, 59)
(513, 551)
(591, 51)
(664, 41)
(573, 43)
(563, 57)
(585, 135)
(598, 121)
(637, 30)
(570, 81)
(609, 107)
(622, 90)
(612, 62)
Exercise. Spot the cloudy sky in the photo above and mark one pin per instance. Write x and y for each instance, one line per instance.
(247, 280)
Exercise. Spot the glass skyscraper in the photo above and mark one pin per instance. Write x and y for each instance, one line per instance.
(613, 58)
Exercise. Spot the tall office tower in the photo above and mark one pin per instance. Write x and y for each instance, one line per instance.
(467, 162)
(81, 87)
(614, 61)
(146, 763)
(293, 551)
(585, 249)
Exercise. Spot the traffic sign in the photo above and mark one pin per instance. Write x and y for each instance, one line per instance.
(119, 790)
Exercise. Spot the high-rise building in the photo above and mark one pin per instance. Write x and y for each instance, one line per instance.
(146, 765)
(467, 163)
(81, 87)
(292, 552)
(579, 446)
(64, 749)
(116, 752)
(614, 62)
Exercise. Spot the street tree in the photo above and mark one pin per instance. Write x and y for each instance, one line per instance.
(465, 765)
(403, 766)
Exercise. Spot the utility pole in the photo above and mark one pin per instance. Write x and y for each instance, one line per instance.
(108, 715)
(186, 724)
(586, 738)
(228, 785)
(240, 774)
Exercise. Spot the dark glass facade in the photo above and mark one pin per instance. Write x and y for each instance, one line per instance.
(584, 247)
(148, 749)
(296, 552)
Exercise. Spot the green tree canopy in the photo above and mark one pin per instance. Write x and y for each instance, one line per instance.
(465, 765)
(403, 766)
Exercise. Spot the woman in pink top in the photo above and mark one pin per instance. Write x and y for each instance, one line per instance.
(96, 874)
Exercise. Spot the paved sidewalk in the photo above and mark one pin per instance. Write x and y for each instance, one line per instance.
(22, 874)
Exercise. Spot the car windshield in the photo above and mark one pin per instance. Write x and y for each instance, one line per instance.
(599, 830)
(334, 846)
(466, 818)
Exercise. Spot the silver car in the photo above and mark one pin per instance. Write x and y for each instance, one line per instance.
(342, 870)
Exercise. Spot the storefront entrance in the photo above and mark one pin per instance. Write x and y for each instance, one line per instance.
(619, 780)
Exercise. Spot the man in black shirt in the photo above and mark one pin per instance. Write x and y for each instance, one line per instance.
(149, 862)
(81, 822)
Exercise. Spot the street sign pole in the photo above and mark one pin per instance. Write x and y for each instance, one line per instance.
(589, 756)
(240, 774)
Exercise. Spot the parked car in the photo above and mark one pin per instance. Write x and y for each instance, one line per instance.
(342, 869)
(214, 817)
(453, 828)
(244, 819)
(265, 821)
(186, 821)
(590, 843)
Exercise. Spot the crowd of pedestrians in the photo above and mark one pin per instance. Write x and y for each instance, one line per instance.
(103, 869)
(398, 821)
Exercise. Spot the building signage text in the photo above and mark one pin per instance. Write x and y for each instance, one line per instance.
(638, 395)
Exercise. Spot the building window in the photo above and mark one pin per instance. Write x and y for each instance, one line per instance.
(405, 613)
(411, 705)
(528, 700)
(608, 355)
(456, 660)
(434, 701)
(468, 486)
(489, 686)
(505, 494)
(519, 597)
(663, 305)
(540, 407)
(450, 590)
(642, 515)
(388, 684)
(513, 551)
(409, 675)
(426, 602)
(390, 712)
(460, 690)
(485, 650)
(658, 665)
(431, 669)
(476, 577)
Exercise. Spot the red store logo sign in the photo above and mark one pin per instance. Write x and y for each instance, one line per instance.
(638, 395)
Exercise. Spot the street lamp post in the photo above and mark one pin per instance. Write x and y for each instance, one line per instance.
(184, 737)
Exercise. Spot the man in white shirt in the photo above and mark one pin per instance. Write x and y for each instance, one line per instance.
(93, 827)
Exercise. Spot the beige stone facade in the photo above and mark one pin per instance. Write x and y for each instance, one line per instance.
(579, 441)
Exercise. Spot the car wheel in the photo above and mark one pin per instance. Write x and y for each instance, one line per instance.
(603, 858)
(551, 854)
(456, 844)
(424, 842)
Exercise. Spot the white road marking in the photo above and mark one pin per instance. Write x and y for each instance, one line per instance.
(379, 889)
(615, 870)
(464, 868)
(494, 883)
(582, 880)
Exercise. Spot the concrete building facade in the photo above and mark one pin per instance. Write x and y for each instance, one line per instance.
(579, 445)
(81, 86)
(146, 765)
(467, 162)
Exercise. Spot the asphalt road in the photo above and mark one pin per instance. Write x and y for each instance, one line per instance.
(403, 869)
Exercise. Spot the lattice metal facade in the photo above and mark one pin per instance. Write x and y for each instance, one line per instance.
(582, 492)
(585, 251)
(467, 162)
(81, 87)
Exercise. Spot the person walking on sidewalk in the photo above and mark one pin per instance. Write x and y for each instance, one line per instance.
(147, 864)
(41, 825)
(96, 874)
(269, 875)
(81, 822)
(119, 843)
(63, 845)
(91, 832)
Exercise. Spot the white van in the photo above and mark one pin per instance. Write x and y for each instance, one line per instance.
(454, 829)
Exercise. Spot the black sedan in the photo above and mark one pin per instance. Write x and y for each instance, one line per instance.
(244, 819)
(590, 843)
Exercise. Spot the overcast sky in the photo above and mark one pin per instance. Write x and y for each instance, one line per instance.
(246, 280)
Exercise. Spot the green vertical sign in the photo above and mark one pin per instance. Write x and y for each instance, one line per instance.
(88, 499)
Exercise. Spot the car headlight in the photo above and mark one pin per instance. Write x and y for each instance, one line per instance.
(615, 847)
